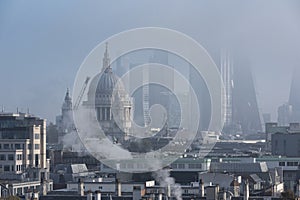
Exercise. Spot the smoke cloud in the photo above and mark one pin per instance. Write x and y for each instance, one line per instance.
(164, 179)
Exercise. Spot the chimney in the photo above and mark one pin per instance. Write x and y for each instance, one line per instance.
(152, 196)
(246, 190)
(80, 187)
(212, 192)
(119, 188)
(28, 194)
(35, 195)
(89, 195)
(222, 194)
(44, 188)
(236, 187)
(137, 193)
(97, 195)
(298, 189)
(169, 191)
(201, 188)
(160, 196)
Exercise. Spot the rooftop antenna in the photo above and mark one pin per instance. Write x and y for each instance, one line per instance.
(17, 110)
(2, 108)
(28, 111)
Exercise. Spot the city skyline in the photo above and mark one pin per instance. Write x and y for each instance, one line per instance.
(271, 45)
(150, 100)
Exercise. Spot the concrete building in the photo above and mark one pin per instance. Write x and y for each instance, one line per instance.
(281, 169)
(270, 129)
(286, 144)
(238, 168)
(285, 112)
(23, 153)
(63, 173)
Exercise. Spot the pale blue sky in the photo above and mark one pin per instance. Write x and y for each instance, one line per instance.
(42, 43)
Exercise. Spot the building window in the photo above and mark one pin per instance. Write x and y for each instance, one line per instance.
(292, 164)
(6, 168)
(29, 146)
(17, 146)
(130, 165)
(10, 157)
(37, 146)
(174, 166)
(195, 166)
(19, 156)
(37, 136)
(37, 160)
(281, 163)
(2, 157)
(181, 166)
(6, 146)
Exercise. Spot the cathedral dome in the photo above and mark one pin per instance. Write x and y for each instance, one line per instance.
(107, 81)
(107, 95)
(103, 84)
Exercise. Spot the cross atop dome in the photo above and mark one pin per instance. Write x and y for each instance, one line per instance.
(106, 59)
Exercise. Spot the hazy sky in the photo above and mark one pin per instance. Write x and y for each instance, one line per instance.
(43, 43)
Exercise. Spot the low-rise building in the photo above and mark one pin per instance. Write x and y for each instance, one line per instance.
(23, 163)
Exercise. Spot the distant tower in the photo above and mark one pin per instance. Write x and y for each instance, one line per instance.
(157, 93)
(226, 72)
(202, 94)
(67, 106)
(285, 112)
(146, 109)
(294, 99)
(244, 102)
(64, 122)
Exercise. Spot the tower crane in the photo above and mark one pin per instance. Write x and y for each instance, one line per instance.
(79, 98)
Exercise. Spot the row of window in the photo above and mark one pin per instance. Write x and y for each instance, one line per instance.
(7, 157)
(4, 157)
(18, 146)
(290, 164)
(11, 146)
(8, 168)
(190, 166)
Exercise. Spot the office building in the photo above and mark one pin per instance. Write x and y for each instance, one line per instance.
(23, 153)
(285, 113)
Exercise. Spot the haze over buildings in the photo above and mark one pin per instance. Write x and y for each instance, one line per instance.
(58, 43)
(110, 142)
